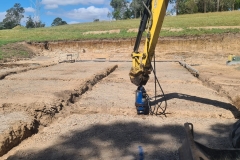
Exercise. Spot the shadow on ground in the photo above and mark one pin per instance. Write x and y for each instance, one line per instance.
(207, 101)
(121, 141)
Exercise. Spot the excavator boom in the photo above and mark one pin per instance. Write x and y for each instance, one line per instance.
(152, 20)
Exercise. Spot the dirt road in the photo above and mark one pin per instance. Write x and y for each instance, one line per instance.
(102, 123)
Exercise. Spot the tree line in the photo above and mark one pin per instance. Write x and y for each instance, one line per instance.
(204, 6)
(123, 9)
(15, 14)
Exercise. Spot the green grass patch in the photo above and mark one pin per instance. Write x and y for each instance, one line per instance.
(76, 31)
(230, 18)
(197, 32)
(14, 51)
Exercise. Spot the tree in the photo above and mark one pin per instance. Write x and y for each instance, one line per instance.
(231, 4)
(203, 6)
(120, 7)
(117, 15)
(175, 8)
(190, 7)
(1, 25)
(13, 16)
(39, 24)
(181, 7)
(127, 14)
(30, 23)
(137, 8)
(237, 5)
(216, 5)
(58, 21)
(186, 6)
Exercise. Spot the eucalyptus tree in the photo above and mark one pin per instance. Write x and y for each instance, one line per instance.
(14, 16)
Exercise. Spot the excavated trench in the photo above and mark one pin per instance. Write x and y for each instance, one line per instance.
(38, 115)
(206, 53)
(103, 118)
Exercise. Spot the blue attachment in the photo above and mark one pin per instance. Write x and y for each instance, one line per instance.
(141, 104)
(141, 153)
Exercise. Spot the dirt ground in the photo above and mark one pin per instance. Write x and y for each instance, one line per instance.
(85, 110)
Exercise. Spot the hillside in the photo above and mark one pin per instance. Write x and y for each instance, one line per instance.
(183, 25)
(173, 26)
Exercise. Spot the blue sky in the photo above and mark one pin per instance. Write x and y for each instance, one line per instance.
(71, 11)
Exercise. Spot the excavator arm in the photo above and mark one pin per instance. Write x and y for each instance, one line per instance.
(152, 20)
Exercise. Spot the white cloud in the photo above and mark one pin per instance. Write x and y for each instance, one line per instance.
(86, 14)
(2, 16)
(49, 13)
(29, 9)
(89, 13)
(52, 4)
(73, 22)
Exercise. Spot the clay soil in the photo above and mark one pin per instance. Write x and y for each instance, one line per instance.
(85, 110)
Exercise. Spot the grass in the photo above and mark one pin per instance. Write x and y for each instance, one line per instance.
(75, 32)
(230, 18)
(1, 55)
(14, 51)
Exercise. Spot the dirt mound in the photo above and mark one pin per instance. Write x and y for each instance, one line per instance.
(236, 102)
(199, 46)
(15, 51)
(18, 27)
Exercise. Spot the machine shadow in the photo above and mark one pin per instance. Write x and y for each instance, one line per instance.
(219, 104)
(122, 138)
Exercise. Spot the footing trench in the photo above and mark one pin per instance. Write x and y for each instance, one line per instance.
(103, 124)
(22, 120)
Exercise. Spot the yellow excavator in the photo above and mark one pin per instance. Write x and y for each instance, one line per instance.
(151, 22)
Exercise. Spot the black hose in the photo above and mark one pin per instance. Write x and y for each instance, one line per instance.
(155, 111)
